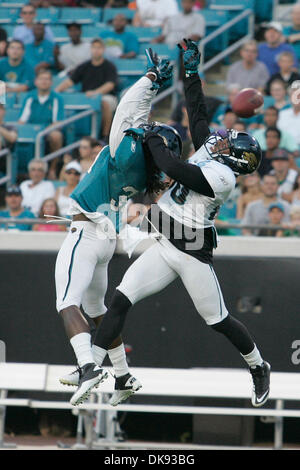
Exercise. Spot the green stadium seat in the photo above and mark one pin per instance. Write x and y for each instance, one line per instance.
(110, 13)
(80, 15)
(9, 15)
(48, 15)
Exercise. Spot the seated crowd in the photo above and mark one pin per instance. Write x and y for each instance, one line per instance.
(269, 197)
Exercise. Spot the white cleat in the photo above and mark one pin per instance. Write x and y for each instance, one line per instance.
(91, 376)
(125, 386)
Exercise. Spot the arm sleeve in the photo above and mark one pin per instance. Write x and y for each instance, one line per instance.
(184, 173)
(196, 109)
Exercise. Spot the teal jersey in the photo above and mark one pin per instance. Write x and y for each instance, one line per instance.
(110, 182)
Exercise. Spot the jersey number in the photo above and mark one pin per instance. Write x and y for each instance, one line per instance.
(179, 194)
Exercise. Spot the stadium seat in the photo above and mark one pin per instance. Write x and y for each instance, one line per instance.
(10, 100)
(48, 15)
(263, 10)
(214, 19)
(24, 148)
(268, 101)
(60, 33)
(9, 15)
(144, 34)
(80, 15)
(90, 31)
(78, 102)
(110, 13)
(163, 50)
(234, 7)
(12, 115)
(14, 3)
(9, 28)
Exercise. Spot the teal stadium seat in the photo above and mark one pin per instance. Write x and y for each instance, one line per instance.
(264, 10)
(12, 115)
(214, 19)
(80, 15)
(9, 28)
(144, 34)
(9, 15)
(48, 15)
(24, 148)
(14, 3)
(129, 71)
(163, 50)
(10, 100)
(91, 31)
(75, 103)
(60, 33)
(234, 8)
(109, 13)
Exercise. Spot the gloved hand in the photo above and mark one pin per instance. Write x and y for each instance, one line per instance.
(159, 67)
(137, 133)
(191, 56)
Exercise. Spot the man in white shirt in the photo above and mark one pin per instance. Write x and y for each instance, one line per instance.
(36, 189)
(154, 12)
(186, 23)
(248, 72)
(75, 52)
(289, 119)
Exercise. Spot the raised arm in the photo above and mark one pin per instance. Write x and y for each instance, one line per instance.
(195, 102)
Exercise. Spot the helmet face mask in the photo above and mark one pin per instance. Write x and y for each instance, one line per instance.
(238, 150)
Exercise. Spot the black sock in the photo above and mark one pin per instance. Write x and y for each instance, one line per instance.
(113, 321)
(237, 334)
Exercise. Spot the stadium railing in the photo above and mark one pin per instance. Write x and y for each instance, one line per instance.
(157, 382)
(10, 167)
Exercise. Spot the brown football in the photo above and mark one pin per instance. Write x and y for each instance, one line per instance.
(247, 102)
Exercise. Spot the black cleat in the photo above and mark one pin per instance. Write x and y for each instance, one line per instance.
(125, 386)
(261, 383)
(91, 376)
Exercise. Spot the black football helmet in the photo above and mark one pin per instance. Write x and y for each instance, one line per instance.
(238, 150)
(170, 135)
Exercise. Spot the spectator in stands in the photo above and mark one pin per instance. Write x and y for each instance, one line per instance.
(286, 176)
(257, 212)
(15, 209)
(120, 43)
(289, 119)
(74, 53)
(3, 42)
(186, 24)
(293, 227)
(97, 76)
(294, 196)
(40, 53)
(8, 134)
(287, 141)
(15, 70)
(54, 3)
(273, 138)
(275, 217)
(49, 208)
(274, 45)
(36, 189)
(87, 154)
(154, 12)
(251, 191)
(292, 33)
(279, 94)
(72, 174)
(24, 32)
(240, 126)
(286, 73)
(44, 106)
(93, 3)
(248, 72)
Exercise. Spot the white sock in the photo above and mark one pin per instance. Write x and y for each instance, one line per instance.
(118, 359)
(254, 358)
(81, 344)
(98, 354)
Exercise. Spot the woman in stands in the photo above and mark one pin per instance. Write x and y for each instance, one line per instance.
(50, 208)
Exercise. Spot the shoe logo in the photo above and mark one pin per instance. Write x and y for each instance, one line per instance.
(96, 368)
(261, 399)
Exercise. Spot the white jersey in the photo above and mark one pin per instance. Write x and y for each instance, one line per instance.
(193, 209)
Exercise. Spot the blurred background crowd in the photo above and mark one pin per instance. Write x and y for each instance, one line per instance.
(66, 63)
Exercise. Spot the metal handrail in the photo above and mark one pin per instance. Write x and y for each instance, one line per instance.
(246, 14)
(58, 153)
(5, 153)
(64, 123)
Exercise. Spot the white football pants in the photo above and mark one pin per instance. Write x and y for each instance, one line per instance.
(160, 265)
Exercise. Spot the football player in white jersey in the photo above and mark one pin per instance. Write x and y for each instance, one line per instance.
(184, 222)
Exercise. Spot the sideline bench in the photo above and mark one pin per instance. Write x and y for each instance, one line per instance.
(197, 382)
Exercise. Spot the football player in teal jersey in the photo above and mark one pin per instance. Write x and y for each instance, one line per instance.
(120, 170)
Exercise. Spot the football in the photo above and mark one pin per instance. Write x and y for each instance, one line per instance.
(247, 102)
